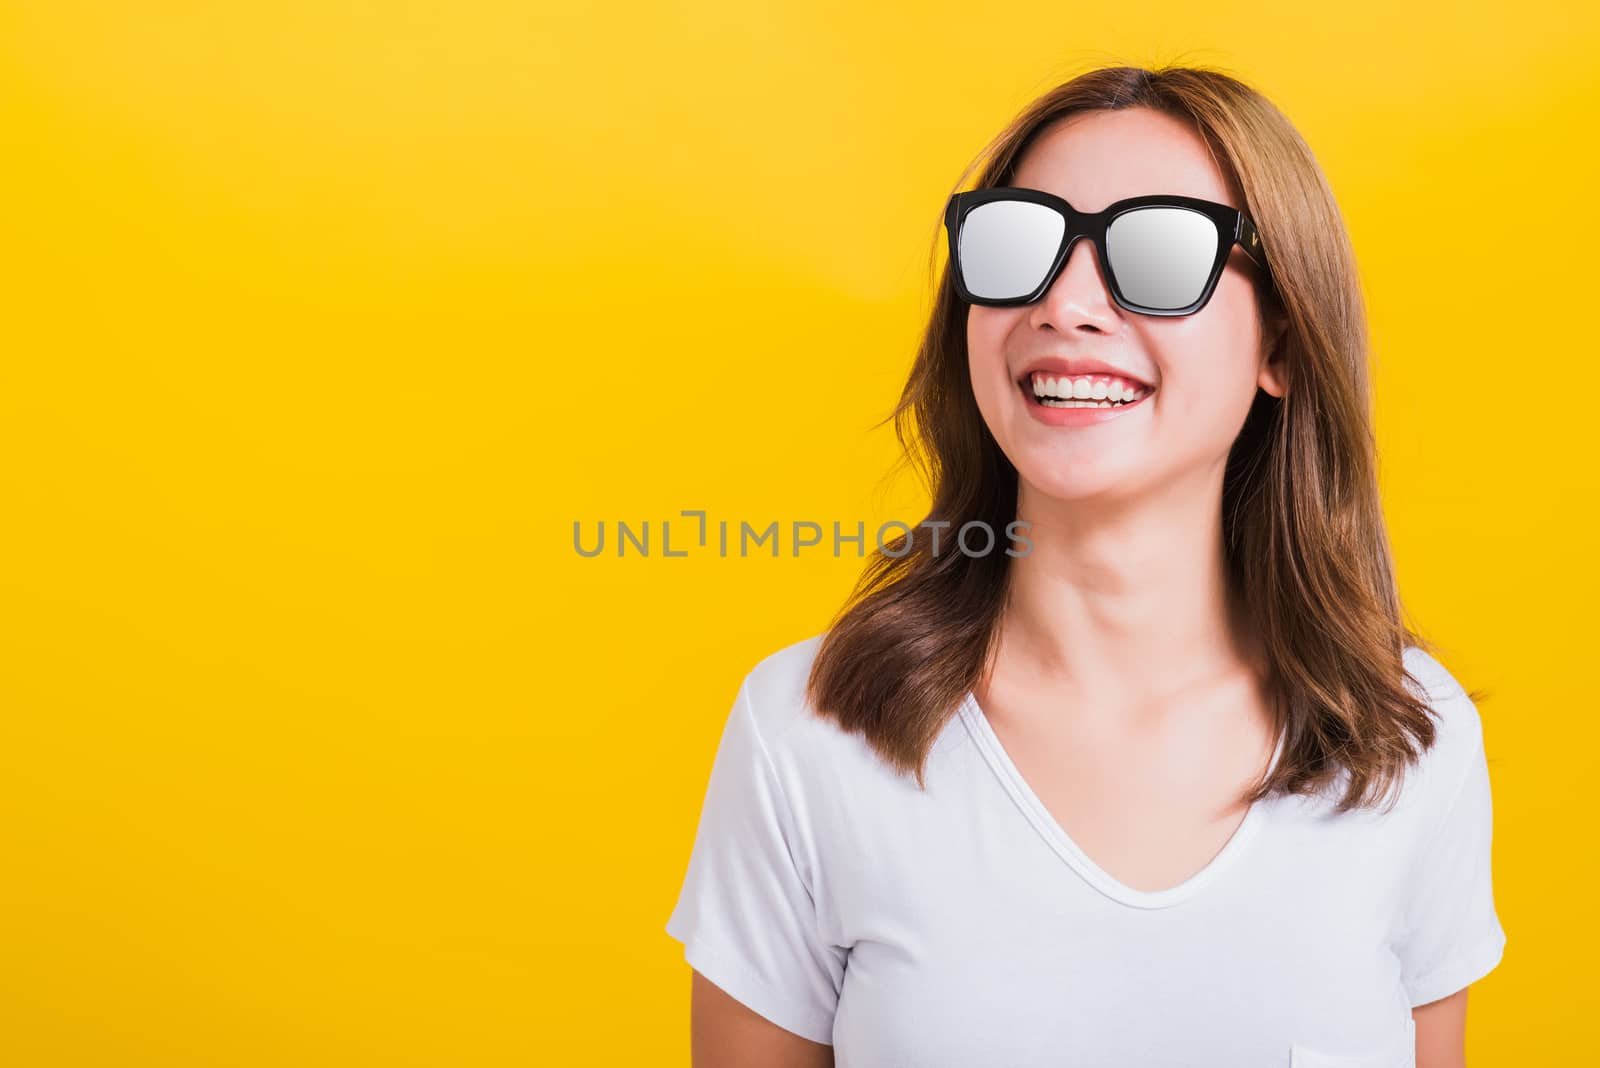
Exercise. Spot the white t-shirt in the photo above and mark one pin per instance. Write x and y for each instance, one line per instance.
(962, 927)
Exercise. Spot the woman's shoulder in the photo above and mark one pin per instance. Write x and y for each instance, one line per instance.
(1458, 743)
(798, 738)
(778, 680)
(774, 692)
(1460, 726)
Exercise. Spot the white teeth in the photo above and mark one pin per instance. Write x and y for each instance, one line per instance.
(1052, 402)
(1085, 391)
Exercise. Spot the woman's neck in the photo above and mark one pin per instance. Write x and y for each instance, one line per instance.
(1126, 603)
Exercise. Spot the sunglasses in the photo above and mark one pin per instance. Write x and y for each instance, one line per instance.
(1160, 255)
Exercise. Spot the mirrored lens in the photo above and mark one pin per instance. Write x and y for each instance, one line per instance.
(1161, 255)
(1006, 246)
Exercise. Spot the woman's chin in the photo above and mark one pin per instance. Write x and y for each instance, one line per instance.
(1050, 487)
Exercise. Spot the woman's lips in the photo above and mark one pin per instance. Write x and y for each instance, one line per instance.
(1079, 367)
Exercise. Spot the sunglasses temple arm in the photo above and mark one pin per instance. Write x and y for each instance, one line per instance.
(1249, 239)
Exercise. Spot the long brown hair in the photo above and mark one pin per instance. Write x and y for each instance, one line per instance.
(1307, 551)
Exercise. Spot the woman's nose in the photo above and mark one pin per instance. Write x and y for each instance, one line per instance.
(1078, 297)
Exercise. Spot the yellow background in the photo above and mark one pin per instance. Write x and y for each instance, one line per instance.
(323, 321)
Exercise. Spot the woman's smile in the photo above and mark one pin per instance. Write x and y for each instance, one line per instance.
(1078, 400)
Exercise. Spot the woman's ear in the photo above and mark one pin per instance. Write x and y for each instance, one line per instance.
(1274, 374)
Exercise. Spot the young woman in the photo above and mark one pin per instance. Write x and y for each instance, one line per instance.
(1163, 779)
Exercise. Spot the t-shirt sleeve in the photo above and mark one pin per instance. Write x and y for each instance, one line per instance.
(745, 914)
(1453, 935)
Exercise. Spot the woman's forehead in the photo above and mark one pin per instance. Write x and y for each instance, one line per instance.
(1095, 158)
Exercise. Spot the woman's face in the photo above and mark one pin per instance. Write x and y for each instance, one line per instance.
(1205, 367)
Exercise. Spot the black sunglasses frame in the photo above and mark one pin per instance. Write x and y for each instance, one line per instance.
(1234, 227)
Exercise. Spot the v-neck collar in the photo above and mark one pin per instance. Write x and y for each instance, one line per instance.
(994, 753)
